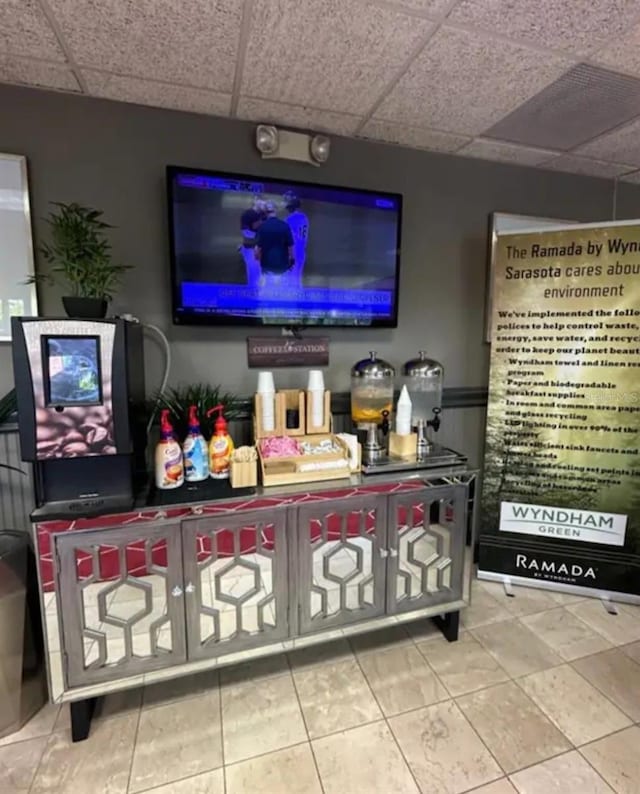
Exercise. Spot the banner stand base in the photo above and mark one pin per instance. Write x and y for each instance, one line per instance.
(559, 587)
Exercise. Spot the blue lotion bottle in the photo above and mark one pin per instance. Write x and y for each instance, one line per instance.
(195, 450)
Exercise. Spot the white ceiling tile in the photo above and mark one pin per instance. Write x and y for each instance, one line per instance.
(505, 152)
(622, 54)
(161, 95)
(432, 7)
(192, 42)
(620, 146)
(634, 177)
(36, 73)
(416, 137)
(577, 26)
(582, 165)
(24, 30)
(333, 54)
(464, 83)
(262, 110)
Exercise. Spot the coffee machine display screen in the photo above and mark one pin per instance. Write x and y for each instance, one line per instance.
(72, 367)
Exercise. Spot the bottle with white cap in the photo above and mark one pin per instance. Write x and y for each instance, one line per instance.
(404, 408)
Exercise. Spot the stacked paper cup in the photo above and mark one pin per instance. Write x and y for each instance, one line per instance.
(267, 392)
(315, 388)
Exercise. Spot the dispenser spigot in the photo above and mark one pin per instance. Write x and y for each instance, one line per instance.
(385, 423)
(435, 422)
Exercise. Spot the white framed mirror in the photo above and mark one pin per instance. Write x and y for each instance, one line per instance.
(16, 244)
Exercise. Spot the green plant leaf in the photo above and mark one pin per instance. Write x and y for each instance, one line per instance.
(78, 252)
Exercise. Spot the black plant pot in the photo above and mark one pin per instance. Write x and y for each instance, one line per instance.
(85, 308)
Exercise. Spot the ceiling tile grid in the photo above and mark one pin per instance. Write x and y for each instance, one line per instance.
(414, 137)
(24, 30)
(574, 26)
(622, 54)
(620, 146)
(327, 54)
(23, 71)
(581, 165)
(162, 95)
(193, 43)
(544, 83)
(505, 152)
(253, 109)
(463, 83)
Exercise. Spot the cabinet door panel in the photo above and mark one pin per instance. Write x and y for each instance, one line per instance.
(236, 574)
(121, 597)
(426, 540)
(341, 567)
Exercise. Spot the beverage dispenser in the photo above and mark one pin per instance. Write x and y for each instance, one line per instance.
(80, 387)
(372, 382)
(423, 378)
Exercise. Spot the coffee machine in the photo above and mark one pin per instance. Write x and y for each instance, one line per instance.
(80, 389)
(372, 381)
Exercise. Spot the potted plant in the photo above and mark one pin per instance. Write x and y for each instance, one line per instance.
(8, 407)
(79, 254)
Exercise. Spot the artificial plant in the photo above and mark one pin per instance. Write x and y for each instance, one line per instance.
(79, 253)
(178, 399)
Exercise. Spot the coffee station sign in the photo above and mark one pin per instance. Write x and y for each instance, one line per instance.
(266, 351)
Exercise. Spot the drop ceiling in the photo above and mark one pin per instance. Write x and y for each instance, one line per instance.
(553, 84)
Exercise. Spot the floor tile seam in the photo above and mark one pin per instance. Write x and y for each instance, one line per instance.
(133, 751)
(262, 755)
(172, 701)
(306, 727)
(477, 733)
(435, 672)
(598, 773)
(388, 724)
(574, 745)
(597, 688)
(34, 777)
(593, 627)
(171, 782)
(537, 636)
(304, 722)
(224, 765)
(493, 655)
(479, 689)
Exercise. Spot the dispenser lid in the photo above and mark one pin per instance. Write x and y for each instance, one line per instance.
(372, 367)
(423, 367)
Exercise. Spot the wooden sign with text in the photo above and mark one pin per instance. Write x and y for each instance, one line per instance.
(266, 351)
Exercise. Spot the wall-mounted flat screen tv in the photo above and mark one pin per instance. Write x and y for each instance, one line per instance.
(248, 250)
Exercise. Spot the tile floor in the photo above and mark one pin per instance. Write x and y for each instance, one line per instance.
(540, 695)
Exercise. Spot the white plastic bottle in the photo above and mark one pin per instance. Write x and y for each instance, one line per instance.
(404, 407)
(169, 465)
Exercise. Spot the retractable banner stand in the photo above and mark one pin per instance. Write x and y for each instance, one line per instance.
(561, 487)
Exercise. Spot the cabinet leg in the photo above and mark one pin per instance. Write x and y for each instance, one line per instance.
(81, 715)
(449, 625)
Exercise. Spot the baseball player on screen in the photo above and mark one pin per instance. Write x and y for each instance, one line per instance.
(299, 225)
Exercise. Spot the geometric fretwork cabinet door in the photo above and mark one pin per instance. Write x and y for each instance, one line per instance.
(236, 581)
(122, 598)
(426, 541)
(341, 563)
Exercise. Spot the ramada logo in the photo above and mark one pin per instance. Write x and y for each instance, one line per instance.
(553, 569)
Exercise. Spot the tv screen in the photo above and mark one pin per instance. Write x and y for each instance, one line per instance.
(252, 251)
(72, 370)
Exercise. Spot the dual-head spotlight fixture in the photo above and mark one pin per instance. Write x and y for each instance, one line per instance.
(272, 142)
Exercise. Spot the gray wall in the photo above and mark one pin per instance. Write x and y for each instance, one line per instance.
(112, 156)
